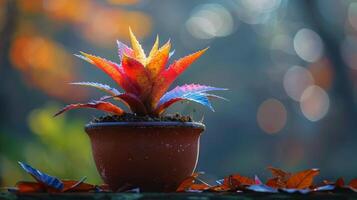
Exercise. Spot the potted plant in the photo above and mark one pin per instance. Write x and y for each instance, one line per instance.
(144, 148)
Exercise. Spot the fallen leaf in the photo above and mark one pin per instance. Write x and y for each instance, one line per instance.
(353, 183)
(303, 179)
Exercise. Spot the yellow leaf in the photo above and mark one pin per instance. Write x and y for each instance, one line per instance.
(138, 50)
(154, 49)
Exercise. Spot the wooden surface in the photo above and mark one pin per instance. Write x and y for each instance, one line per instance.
(174, 196)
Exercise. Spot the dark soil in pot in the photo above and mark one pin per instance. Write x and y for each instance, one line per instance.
(129, 117)
(154, 156)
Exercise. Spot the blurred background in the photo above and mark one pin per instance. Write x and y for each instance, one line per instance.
(291, 67)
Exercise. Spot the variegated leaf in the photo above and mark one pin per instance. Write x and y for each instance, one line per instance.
(167, 77)
(106, 88)
(99, 105)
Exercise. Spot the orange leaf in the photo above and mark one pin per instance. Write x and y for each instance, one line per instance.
(303, 179)
(27, 187)
(219, 188)
(199, 187)
(237, 181)
(158, 61)
(187, 183)
(353, 183)
(113, 70)
(278, 172)
(274, 183)
(137, 74)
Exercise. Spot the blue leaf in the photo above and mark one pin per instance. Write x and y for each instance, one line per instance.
(192, 92)
(325, 188)
(262, 188)
(293, 190)
(42, 177)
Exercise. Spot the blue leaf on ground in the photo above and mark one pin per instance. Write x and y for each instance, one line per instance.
(42, 177)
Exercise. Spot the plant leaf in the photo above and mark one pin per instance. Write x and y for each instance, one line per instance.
(353, 183)
(99, 105)
(124, 49)
(187, 183)
(137, 74)
(113, 70)
(103, 87)
(43, 178)
(237, 181)
(158, 61)
(167, 77)
(154, 49)
(192, 92)
(138, 50)
(262, 188)
(132, 101)
(303, 179)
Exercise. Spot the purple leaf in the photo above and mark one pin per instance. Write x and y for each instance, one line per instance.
(124, 49)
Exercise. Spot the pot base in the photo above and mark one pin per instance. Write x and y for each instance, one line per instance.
(153, 156)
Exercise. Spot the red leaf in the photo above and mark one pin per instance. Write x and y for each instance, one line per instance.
(99, 105)
(132, 101)
(27, 187)
(340, 183)
(303, 179)
(137, 74)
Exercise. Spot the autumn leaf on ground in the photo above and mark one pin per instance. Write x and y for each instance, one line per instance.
(303, 179)
(353, 184)
(299, 180)
(189, 182)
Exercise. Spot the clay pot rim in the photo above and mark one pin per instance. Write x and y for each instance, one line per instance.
(160, 124)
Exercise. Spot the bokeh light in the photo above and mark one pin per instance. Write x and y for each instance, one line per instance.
(41, 61)
(256, 11)
(271, 116)
(322, 73)
(296, 80)
(308, 45)
(349, 51)
(314, 103)
(209, 21)
(352, 15)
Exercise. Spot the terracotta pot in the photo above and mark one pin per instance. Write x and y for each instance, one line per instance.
(154, 156)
